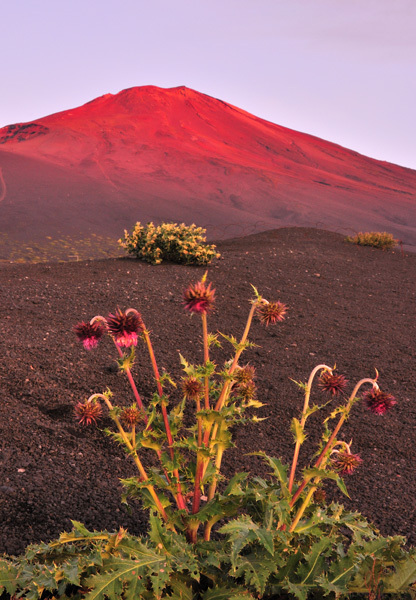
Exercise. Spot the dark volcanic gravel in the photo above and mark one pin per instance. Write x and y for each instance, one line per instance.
(348, 305)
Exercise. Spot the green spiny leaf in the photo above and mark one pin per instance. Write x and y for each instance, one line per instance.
(256, 568)
(298, 431)
(126, 362)
(300, 384)
(300, 591)
(121, 572)
(213, 340)
(181, 588)
(160, 577)
(256, 293)
(404, 574)
(279, 469)
(234, 486)
(341, 484)
(314, 560)
(8, 576)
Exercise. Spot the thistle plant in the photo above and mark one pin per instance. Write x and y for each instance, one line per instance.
(186, 481)
(220, 397)
(272, 535)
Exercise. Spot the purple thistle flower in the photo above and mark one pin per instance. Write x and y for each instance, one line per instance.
(270, 313)
(345, 462)
(131, 415)
(125, 327)
(199, 298)
(334, 384)
(88, 412)
(378, 402)
(89, 333)
(192, 388)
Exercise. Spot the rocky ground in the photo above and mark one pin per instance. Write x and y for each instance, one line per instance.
(348, 305)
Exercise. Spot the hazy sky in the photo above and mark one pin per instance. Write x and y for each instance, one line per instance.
(344, 70)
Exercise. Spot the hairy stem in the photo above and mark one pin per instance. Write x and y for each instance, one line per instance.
(227, 385)
(218, 460)
(206, 358)
(304, 506)
(303, 420)
(179, 497)
(199, 421)
(132, 384)
(135, 457)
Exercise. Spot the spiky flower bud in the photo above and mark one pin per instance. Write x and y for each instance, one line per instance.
(334, 384)
(199, 298)
(379, 402)
(244, 374)
(192, 388)
(344, 462)
(89, 333)
(125, 327)
(270, 313)
(88, 412)
(247, 391)
(131, 415)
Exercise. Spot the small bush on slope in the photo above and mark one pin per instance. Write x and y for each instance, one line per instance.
(384, 240)
(169, 241)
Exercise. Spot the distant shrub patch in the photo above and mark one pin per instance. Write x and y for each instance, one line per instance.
(169, 241)
(384, 240)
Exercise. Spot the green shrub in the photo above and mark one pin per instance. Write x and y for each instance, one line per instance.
(384, 240)
(169, 241)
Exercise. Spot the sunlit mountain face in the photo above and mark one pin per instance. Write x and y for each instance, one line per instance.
(153, 154)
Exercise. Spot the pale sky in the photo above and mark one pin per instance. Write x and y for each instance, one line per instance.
(343, 70)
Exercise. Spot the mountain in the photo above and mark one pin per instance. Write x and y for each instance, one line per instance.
(153, 154)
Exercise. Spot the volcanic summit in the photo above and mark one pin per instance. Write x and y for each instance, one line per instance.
(153, 154)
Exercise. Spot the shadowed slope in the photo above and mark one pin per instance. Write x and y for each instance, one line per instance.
(174, 154)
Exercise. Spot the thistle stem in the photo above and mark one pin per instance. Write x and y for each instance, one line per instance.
(329, 443)
(131, 381)
(304, 506)
(179, 497)
(227, 385)
(135, 457)
(199, 420)
(139, 402)
(207, 530)
(199, 470)
(303, 420)
(309, 495)
(206, 358)
(208, 527)
(218, 460)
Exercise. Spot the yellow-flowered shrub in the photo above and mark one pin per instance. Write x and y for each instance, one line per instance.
(384, 240)
(182, 243)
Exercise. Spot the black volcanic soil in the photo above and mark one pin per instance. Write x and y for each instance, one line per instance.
(349, 305)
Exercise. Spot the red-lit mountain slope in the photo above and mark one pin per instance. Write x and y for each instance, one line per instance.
(174, 154)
